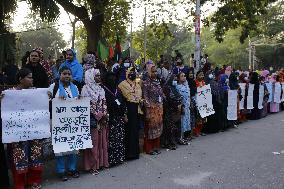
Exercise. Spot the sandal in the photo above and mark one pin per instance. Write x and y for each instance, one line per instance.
(36, 186)
(74, 174)
(152, 153)
(63, 177)
(94, 172)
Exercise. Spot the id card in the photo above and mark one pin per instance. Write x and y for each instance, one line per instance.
(117, 102)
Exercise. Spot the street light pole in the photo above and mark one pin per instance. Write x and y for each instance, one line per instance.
(197, 35)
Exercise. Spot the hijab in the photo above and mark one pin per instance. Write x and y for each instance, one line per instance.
(93, 89)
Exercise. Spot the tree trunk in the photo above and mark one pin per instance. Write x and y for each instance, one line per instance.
(94, 30)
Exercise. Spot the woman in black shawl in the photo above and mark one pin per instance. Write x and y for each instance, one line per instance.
(212, 125)
(193, 91)
(255, 113)
(117, 117)
(172, 113)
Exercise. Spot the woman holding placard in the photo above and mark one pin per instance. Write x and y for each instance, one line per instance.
(65, 89)
(26, 156)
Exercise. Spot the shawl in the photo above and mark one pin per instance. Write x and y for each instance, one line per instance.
(233, 81)
(62, 91)
(95, 92)
(191, 83)
(75, 66)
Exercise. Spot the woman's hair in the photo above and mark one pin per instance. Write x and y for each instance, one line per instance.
(63, 69)
(179, 74)
(22, 73)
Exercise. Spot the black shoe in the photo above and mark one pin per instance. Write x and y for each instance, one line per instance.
(157, 152)
(63, 177)
(74, 174)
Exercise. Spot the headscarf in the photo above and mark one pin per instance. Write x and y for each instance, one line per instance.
(233, 81)
(191, 83)
(91, 88)
(62, 92)
(222, 83)
(75, 67)
(89, 61)
(254, 78)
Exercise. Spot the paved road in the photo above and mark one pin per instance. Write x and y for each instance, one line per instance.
(237, 159)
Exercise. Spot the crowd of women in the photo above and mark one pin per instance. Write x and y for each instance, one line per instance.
(158, 101)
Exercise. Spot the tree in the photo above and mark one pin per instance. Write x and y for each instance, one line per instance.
(7, 40)
(159, 38)
(100, 17)
(41, 34)
(231, 14)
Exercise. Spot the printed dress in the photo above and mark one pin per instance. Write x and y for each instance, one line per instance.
(184, 91)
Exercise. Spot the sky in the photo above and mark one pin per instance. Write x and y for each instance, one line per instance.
(64, 21)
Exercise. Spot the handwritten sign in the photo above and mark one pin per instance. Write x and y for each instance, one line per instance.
(250, 97)
(243, 93)
(270, 90)
(25, 115)
(204, 101)
(232, 108)
(277, 93)
(261, 96)
(71, 125)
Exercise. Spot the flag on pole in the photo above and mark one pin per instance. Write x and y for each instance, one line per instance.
(103, 51)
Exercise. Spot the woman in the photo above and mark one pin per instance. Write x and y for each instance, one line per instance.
(234, 85)
(172, 113)
(132, 93)
(243, 83)
(223, 89)
(263, 81)
(193, 91)
(40, 77)
(255, 112)
(184, 91)
(117, 118)
(65, 89)
(199, 121)
(26, 156)
(153, 95)
(96, 157)
(76, 68)
(212, 125)
(275, 104)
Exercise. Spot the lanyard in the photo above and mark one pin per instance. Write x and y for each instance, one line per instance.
(114, 94)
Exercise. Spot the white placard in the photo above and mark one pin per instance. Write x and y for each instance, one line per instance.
(270, 90)
(250, 97)
(282, 99)
(71, 125)
(204, 101)
(243, 93)
(232, 109)
(277, 93)
(25, 115)
(261, 96)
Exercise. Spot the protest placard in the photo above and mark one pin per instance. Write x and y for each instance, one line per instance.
(25, 115)
(261, 96)
(270, 90)
(243, 93)
(204, 101)
(232, 109)
(277, 93)
(250, 97)
(71, 125)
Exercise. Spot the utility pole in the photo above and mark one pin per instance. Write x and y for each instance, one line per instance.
(249, 54)
(197, 35)
(145, 36)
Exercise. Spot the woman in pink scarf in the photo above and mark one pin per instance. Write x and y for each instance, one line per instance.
(96, 157)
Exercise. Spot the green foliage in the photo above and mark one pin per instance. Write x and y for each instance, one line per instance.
(159, 39)
(48, 37)
(81, 41)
